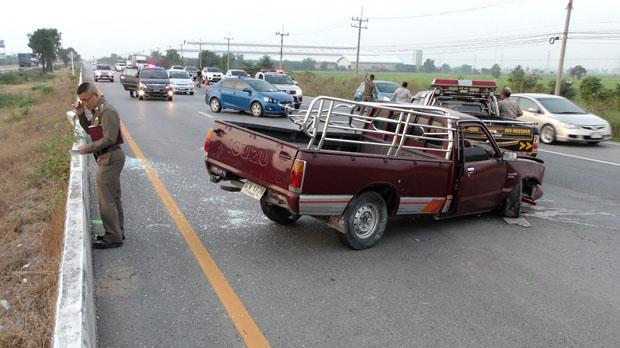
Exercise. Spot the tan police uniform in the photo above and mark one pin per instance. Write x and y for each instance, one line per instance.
(370, 90)
(110, 161)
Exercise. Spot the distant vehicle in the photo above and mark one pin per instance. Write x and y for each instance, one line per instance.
(236, 73)
(212, 74)
(176, 67)
(355, 172)
(283, 82)
(154, 83)
(119, 67)
(385, 91)
(247, 94)
(560, 119)
(138, 60)
(192, 71)
(104, 72)
(24, 59)
(129, 79)
(181, 81)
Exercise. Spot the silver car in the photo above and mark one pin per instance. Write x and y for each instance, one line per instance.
(559, 119)
(181, 82)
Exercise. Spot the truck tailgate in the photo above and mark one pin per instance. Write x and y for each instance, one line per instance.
(251, 155)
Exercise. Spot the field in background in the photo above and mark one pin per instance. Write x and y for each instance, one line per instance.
(342, 84)
(35, 139)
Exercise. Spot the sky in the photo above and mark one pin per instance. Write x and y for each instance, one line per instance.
(477, 32)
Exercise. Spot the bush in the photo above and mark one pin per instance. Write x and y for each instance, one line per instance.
(16, 78)
(566, 89)
(592, 89)
(520, 82)
(45, 89)
(12, 100)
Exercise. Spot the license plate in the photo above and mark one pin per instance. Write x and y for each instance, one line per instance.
(253, 190)
(596, 136)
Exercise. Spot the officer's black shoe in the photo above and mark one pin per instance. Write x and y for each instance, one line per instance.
(106, 244)
(100, 237)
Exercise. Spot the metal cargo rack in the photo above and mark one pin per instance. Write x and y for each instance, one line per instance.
(327, 115)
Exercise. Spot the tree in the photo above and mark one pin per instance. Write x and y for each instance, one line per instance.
(308, 64)
(577, 71)
(465, 69)
(428, 66)
(209, 59)
(173, 57)
(265, 62)
(566, 89)
(496, 70)
(324, 65)
(520, 82)
(65, 55)
(445, 68)
(592, 89)
(45, 44)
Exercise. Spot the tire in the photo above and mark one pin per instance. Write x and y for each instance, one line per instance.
(365, 221)
(131, 94)
(277, 214)
(512, 204)
(169, 98)
(215, 105)
(547, 134)
(140, 97)
(257, 109)
(96, 80)
(191, 93)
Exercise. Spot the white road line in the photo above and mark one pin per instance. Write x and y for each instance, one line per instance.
(579, 157)
(205, 114)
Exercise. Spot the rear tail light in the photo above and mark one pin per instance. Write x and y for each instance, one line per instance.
(297, 176)
(208, 140)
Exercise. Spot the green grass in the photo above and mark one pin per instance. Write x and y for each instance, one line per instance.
(11, 100)
(14, 118)
(16, 78)
(45, 89)
(55, 163)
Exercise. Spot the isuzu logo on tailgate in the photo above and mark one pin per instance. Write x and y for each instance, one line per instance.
(249, 152)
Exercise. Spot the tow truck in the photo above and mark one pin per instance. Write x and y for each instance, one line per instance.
(477, 98)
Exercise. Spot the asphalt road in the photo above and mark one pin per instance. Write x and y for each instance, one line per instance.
(465, 282)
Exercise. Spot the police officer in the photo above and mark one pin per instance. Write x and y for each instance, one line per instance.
(110, 161)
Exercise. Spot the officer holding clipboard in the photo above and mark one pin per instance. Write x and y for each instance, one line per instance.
(104, 128)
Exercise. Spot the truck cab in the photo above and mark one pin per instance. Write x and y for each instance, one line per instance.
(477, 98)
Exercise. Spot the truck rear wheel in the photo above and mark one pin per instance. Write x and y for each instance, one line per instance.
(512, 204)
(365, 220)
(277, 214)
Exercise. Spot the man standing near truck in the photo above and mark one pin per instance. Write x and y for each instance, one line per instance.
(508, 108)
(370, 90)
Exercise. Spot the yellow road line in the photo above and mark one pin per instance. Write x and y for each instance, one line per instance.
(242, 319)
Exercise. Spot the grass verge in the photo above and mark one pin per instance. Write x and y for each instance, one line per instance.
(35, 139)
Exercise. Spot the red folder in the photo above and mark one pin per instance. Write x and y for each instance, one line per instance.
(96, 133)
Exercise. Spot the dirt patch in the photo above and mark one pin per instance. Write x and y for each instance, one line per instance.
(35, 139)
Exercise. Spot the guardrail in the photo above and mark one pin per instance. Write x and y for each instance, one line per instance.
(75, 322)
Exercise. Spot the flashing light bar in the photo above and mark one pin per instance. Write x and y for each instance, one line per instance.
(464, 83)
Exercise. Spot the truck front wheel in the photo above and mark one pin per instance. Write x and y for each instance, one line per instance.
(365, 220)
(277, 214)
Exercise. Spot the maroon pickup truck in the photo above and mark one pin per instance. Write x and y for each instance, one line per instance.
(356, 170)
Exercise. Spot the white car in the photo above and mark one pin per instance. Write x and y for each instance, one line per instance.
(119, 67)
(285, 83)
(559, 119)
(104, 72)
(236, 73)
(212, 74)
(181, 81)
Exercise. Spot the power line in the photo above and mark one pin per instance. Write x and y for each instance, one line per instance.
(469, 9)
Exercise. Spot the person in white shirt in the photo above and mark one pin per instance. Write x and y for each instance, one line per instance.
(402, 94)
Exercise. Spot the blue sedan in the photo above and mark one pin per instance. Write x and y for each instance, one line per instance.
(248, 94)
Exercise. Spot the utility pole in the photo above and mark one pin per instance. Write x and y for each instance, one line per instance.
(228, 38)
(359, 27)
(200, 54)
(182, 58)
(282, 35)
(558, 80)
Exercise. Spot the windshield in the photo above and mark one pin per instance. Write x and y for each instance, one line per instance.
(103, 67)
(154, 74)
(238, 73)
(179, 75)
(279, 79)
(386, 87)
(261, 86)
(214, 70)
(561, 106)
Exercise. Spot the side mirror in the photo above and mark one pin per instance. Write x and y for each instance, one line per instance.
(533, 110)
(247, 90)
(509, 156)
(296, 83)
